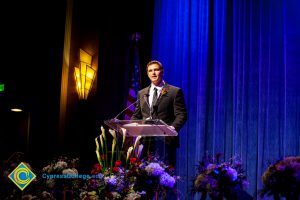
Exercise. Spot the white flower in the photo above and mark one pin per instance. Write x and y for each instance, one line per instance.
(60, 165)
(48, 168)
(89, 195)
(113, 133)
(50, 183)
(46, 194)
(69, 171)
(116, 195)
(93, 195)
(132, 196)
(83, 194)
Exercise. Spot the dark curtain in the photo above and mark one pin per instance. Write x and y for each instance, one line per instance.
(238, 65)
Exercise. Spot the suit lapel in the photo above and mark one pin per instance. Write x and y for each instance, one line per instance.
(163, 94)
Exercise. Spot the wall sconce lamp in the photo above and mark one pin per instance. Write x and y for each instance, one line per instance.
(84, 75)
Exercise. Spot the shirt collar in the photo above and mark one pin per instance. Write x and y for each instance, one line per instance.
(159, 87)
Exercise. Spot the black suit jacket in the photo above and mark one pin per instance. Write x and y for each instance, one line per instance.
(169, 107)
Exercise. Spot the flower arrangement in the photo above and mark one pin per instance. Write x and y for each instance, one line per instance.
(58, 178)
(52, 182)
(219, 180)
(63, 167)
(118, 174)
(129, 177)
(282, 178)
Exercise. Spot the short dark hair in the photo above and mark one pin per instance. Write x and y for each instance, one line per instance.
(155, 62)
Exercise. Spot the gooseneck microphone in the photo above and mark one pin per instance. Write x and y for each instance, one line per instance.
(145, 95)
(150, 107)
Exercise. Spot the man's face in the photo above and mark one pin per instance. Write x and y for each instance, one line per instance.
(155, 73)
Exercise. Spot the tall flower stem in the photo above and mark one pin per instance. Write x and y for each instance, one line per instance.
(104, 148)
(98, 151)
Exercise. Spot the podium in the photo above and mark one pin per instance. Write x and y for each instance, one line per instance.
(153, 127)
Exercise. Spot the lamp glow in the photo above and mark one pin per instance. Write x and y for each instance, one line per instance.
(16, 109)
(84, 75)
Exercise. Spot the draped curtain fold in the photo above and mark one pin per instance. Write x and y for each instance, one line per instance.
(238, 65)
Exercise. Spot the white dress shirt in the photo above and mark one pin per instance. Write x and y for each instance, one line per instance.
(151, 92)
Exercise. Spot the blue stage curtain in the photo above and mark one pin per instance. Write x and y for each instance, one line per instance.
(238, 63)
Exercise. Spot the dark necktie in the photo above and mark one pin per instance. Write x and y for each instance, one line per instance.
(154, 99)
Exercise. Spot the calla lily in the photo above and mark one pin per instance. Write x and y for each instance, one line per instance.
(113, 133)
(128, 153)
(140, 150)
(103, 132)
(137, 139)
(98, 151)
(124, 135)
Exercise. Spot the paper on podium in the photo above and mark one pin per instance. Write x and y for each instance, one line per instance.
(142, 127)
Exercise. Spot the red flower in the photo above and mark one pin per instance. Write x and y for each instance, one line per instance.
(118, 163)
(115, 169)
(96, 169)
(132, 160)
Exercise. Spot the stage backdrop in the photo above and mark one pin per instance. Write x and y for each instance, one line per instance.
(238, 63)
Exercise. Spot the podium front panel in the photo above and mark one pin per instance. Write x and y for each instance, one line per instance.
(142, 127)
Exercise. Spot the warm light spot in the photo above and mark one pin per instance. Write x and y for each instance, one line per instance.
(16, 110)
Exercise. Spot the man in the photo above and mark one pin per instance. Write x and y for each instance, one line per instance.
(165, 102)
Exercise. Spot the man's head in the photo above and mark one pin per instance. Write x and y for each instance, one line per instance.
(155, 72)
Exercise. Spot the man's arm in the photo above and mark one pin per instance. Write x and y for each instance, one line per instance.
(179, 111)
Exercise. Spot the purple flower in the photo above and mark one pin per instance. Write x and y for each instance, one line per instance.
(212, 184)
(214, 177)
(231, 174)
(112, 180)
(167, 180)
(94, 184)
(154, 169)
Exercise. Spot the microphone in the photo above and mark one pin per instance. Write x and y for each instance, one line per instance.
(150, 107)
(116, 117)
